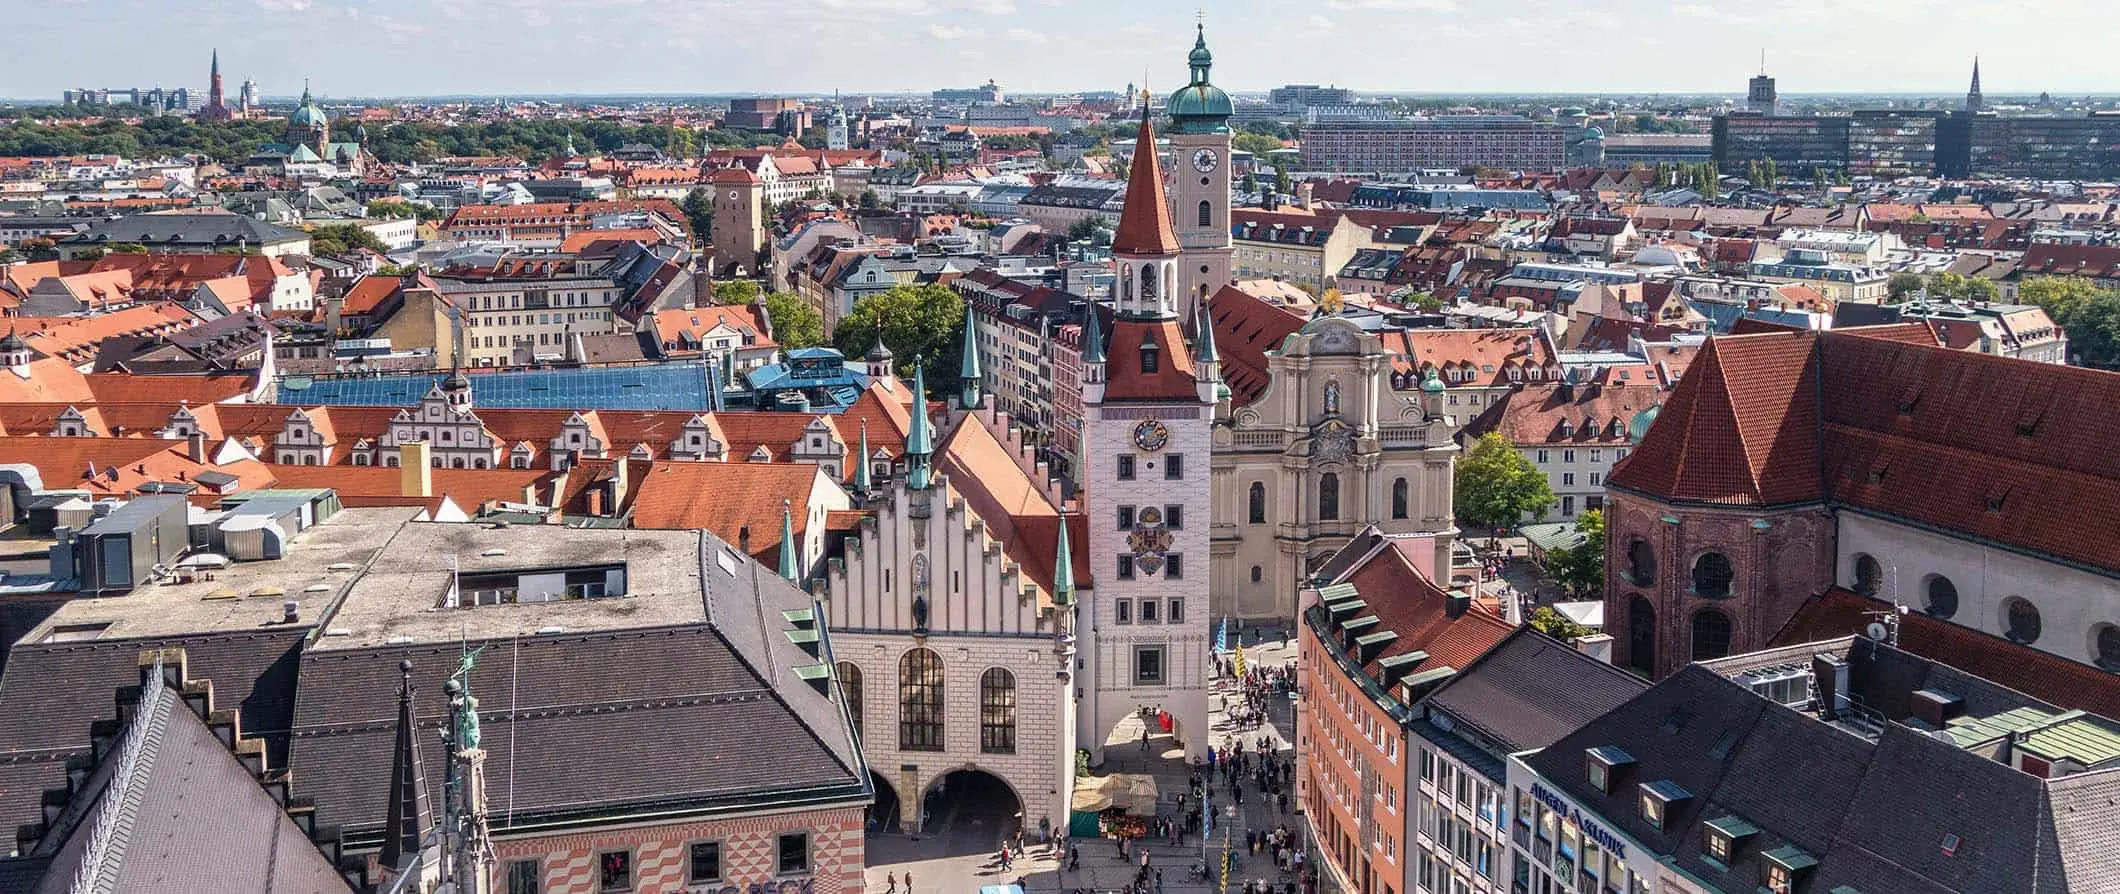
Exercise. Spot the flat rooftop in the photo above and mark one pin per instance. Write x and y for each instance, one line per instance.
(318, 567)
(400, 599)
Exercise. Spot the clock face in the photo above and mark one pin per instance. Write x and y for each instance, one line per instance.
(1150, 435)
(1205, 160)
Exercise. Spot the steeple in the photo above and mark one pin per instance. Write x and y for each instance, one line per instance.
(1144, 222)
(788, 548)
(968, 375)
(920, 442)
(1063, 568)
(863, 483)
(405, 816)
(1207, 360)
(569, 152)
(1974, 102)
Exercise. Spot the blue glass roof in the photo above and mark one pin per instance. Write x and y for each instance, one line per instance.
(658, 386)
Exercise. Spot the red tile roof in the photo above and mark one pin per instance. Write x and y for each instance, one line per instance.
(1173, 379)
(726, 499)
(2097, 261)
(1246, 327)
(1144, 222)
(1593, 414)
(1740, 428)
(1408, 603)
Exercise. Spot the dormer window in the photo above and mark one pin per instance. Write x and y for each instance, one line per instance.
(1657, 798)
(1722, 836)
(1151, 357)
(1782, 867)
(1603, 761)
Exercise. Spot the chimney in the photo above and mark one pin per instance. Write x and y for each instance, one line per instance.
(291, 612)
(1829, 679)
(621, 482)
(415, 470)
(332, 320)
(1460, 602)
(1304, 192)
(195, 446)
(595, 499)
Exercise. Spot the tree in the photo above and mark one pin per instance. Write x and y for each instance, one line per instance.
(2062, 297)
(736, 291)
(1281, 184)
(1258, 144)
(1554, 624)
(1708, 181)
(698, 207)
(1424, 301)
(1497, 486)
(333, 239)
(869, 199)
(128, 248)
(2090, 315)
(1251, 183)
(1770, 171)
(1903, 284)
(1087, 228)
(1959, 287)
(1581, 568)
(795, 323)
(925, 321)
(89, 254)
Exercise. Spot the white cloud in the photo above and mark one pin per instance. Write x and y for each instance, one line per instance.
(944, 32)
(1426, 5)
(1025, 35)
(1319, 23)
(283, 5)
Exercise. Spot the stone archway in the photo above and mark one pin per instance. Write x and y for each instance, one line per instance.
(886, 815)
(970, 810)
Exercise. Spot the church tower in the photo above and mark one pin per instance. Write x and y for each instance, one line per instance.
(1199, 190)
(739, 221)
(1147, 423)
(1974, 102)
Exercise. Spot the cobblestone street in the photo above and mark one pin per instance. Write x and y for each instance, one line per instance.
(962, 860)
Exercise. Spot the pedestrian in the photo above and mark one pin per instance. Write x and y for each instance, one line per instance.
(908, 881)
(890, 883)
(1005, 861)
(1144, 738)
(1074, 857)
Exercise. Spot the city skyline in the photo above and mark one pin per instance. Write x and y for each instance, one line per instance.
(450, 47)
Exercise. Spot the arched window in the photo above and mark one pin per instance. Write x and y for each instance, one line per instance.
(920, 701)
(2105, 646)
(1940, 597)
(1641, 635)
(1207, 213)
(1148, 283)
(1398, 498)
(1712, 575)
(1258, 503)
(2020, 620)
(1641, 563)
(1869, 576)
(1257, 573)
(850, 689)
(1711, 634)
(1126, 283)
(997, 711)
(1329, 497)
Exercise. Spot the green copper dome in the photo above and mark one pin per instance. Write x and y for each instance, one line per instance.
(1432, 383)
(307, 114)
(1201, 107)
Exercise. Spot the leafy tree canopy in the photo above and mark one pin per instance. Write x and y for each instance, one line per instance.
(796, 324)
(1496, 485)
(924, 321)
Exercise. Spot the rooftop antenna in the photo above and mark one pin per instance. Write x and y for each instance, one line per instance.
(1762, 61)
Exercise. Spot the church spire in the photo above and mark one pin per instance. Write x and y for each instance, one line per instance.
(862, 481)
(1974, 102)
(405, 816)
(1092, 337)
(1063, 568)
(968, 375)
(1144, 221)
(920, 441)
(788, 565)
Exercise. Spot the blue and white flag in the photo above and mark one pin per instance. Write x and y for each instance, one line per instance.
(1222, 636)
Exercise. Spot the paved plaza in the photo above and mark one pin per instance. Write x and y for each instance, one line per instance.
(958, 856)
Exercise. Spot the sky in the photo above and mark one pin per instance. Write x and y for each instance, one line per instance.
(503, 47)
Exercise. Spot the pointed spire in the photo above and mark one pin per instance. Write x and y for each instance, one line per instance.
(788, 547)
(405, 817)
(1144, 221)
(920, 442)
(862, 481)
(1973, 100)
(217, 62)
(1092, 337)
(1204, 341)
(1063, 568)
(968, 375)
(306, 100)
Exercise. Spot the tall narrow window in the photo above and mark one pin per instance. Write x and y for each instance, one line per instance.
(1151, 356)
(850, 689)
(1399, 498)
(1207, 213)
(1329, 497)
(1257, 514)
(920, 701)
(997, 711)
(1148, 283)
(1711, 634)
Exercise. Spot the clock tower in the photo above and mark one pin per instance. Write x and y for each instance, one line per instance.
(1199, 189)
(1148, 414)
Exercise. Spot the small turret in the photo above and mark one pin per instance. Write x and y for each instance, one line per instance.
(1063, 568)
(1207, 360)
(862, 478)
(878, 360)
(920, 440)
(405, 814)
(15, 354)
(1092, 356)
(790, 566)
(968, 374)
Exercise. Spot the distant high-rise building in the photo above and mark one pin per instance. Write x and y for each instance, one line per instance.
(1759, 95)
(988, 92)
(835, 132)
(250, 101)
(1973, 100)
(216, 108)
(1297, 97)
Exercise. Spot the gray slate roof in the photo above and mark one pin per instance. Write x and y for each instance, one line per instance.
(1531, 689)
(188, 228)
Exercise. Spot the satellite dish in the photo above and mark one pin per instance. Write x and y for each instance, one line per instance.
(1875, 631)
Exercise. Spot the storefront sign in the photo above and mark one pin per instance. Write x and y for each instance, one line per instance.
(1604, 838)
